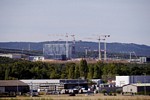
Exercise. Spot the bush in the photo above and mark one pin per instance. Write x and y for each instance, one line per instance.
(104, 91)
(118, 91)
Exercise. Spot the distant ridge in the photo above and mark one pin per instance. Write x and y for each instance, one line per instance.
(140, 50)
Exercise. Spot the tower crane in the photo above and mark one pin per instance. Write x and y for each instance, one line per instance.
(101, 37)
(131, 55)
(73, 46)
(67, 55)
(105, 50)
(66, 39)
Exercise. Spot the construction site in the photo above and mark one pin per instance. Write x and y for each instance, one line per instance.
(67, 49)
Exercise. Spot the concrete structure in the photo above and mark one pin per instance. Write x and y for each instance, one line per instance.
(13, 86)
(57, 51)
(14, 56)
(55, 84)
(124, 80)
(144, 60)
(36, 58)
(136, 88)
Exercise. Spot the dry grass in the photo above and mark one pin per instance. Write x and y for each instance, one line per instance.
(81, 97)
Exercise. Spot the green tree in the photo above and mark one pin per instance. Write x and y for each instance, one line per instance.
(90, 71)
(77, 72)
(83, 68)
(7, 74)
(96, 72)
(71, 74)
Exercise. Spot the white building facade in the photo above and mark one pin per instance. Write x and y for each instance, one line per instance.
(124, 80)
(14, 56)
(36, 58)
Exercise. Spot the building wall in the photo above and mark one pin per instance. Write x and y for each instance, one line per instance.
(2, 89)
(130, 88)
(135, 89)
(57, 51)
(36, 58)
(15, 56)
(142, 59)
(22, 89)
(109, 89)
(124, 80)
(144, 88)
(56, 84)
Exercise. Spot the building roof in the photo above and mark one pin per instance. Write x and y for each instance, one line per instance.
(53, 81)
(38, 81)
(12, 83)
(139, 84)
(142, 84)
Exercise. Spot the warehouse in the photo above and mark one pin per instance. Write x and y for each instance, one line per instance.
(7, 86)
(124, 80)
(137, 88)
(55, 84)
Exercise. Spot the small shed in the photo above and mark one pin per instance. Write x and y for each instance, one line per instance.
(136, 88)
(13, 86)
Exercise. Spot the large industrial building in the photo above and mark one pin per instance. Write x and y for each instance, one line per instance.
(124, 80)
(55, 84)
(57, 51)
(7, 86)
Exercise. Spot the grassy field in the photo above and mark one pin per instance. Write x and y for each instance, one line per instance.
(80, 97)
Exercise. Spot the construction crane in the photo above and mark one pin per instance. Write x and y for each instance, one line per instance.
(73, 45)
(66, 39)
(67, 55)
(102, 37)
(105, 49)
(86, 51)
(99, 46)
(131, 55)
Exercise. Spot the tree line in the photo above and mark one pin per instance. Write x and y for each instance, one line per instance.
(22, 69)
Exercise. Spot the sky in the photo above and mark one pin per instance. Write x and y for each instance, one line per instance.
(126, 21)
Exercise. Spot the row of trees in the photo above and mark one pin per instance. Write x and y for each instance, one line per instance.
(21, 69)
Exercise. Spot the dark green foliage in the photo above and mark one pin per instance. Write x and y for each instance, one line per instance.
(22, 69)
(83, 68)
(96, 72)
(7, 74)
(90, 71)
(77, 72)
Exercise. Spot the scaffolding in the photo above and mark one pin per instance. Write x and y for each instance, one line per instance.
(57, 51)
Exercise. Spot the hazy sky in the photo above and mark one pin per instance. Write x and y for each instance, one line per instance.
(127, 21)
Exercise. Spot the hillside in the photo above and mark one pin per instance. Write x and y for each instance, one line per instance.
(140, 50)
